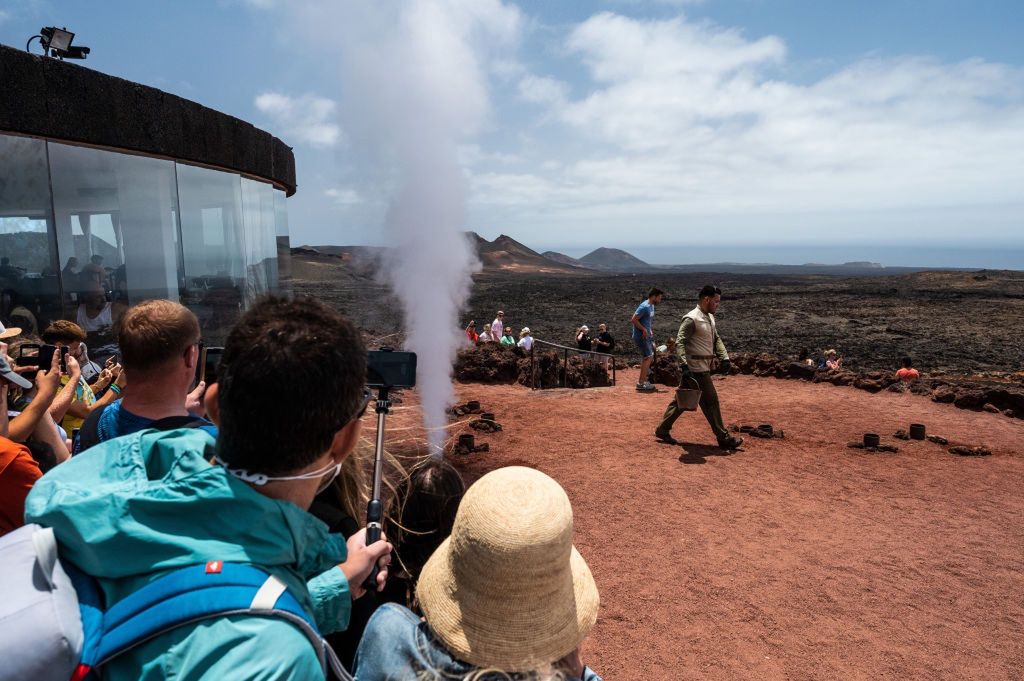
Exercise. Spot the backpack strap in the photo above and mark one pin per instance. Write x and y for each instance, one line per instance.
(200, 592)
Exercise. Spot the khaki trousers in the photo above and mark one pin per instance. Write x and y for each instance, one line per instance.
(708, 404)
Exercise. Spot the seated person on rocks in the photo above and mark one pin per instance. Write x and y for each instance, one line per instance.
(583, 339)
(78, 399)
(525, 339)
(144, 504)
(805, 357)
(159, 343)
(508, 338)
(668, 347)
(833, 362)
(512, 535)
(486, 336)
(908, 374)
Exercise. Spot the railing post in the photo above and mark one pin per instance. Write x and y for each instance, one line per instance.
(533, 370)
(565, 370)
(613, 369)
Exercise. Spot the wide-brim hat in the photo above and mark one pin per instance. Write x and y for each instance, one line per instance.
(508, 590)
(9, 331)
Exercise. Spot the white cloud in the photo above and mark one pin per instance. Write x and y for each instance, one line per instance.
(692, 119)
(473, 155)
(507, 69)
(307, 119)
(343, 196)
(540, 90)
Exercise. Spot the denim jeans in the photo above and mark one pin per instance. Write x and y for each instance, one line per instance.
(398, 645)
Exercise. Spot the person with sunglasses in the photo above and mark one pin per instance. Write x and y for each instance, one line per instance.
(138, 507)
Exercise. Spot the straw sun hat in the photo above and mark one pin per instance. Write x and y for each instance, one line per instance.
(8, 332)
(508, 590)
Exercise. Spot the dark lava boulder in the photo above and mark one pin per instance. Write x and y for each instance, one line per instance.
(546, 370)
(586, 373)
(549, 370)
(842, 378)
(801, 370)
(488, 363)
(665, 370)
(944, 394)
(969, 398)
(869, 384)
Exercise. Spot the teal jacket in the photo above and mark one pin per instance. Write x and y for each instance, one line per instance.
(133, 508)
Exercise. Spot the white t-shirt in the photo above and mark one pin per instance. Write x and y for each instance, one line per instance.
(497, 328)
(526, 343)
(89, 324)
(485, 337)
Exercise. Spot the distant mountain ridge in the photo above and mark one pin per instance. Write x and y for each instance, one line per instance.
(505, 254)
(614, 260)
(562, 258)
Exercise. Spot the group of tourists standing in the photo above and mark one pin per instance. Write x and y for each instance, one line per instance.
(499, 331)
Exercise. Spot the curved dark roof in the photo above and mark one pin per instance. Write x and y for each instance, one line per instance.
(62, 101)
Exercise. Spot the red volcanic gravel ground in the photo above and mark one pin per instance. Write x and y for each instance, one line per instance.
(793, 558)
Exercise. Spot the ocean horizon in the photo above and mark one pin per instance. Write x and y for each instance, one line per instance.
(889, 255)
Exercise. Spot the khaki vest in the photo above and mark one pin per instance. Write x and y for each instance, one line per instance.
(702, 342)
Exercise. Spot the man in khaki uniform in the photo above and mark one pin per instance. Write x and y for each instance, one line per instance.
(697, 345)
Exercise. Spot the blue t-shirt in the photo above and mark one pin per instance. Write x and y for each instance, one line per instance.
(645, 315)
(116, 421)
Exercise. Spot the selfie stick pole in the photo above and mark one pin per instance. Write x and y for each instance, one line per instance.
(375, 508)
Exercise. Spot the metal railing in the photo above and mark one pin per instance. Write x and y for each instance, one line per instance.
(563, 378)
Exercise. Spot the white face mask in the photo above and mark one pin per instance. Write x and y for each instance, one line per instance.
(328, 473)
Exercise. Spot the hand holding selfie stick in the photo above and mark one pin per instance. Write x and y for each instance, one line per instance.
(385, 369)
(375, 508)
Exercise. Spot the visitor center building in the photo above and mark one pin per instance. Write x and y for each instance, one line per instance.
(112, 193)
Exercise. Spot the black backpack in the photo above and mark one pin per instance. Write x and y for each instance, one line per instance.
(89, 433)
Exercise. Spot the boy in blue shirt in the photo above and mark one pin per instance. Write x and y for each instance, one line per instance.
(643, 336)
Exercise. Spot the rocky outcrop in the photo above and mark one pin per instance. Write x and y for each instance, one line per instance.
(493, 363)
(1008, 401)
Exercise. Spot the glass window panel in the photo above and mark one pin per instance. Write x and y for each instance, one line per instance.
(211, 237)
(116, 215)
(284, 250)
(259, 238)
(28, 257)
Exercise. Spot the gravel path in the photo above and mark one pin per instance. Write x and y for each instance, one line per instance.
(793, 558)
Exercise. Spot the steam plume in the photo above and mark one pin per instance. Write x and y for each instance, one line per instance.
(415, 91)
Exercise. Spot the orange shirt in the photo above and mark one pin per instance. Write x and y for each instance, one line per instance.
(18, 472)
(907, 375)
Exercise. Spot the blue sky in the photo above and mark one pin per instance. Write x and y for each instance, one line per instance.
(889, 131)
